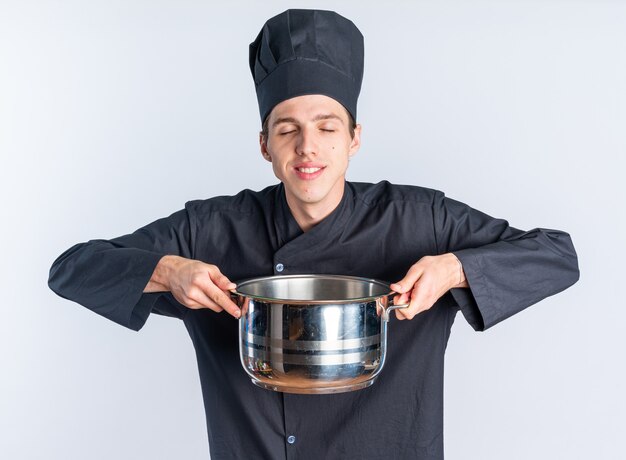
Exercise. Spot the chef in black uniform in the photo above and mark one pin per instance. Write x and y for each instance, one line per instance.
(443, 255)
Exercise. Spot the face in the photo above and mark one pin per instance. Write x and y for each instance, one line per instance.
(309, 146)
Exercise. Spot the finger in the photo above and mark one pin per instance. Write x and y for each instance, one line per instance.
(214, 294)
(222, 299)
(416, 304)
(410, 311)
(198, 299)
(405, 285)
(403, 299)
(220, 280)
(423, 297)
(399, 299)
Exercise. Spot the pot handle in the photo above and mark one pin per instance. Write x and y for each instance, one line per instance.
(240, 301)
(393, 307)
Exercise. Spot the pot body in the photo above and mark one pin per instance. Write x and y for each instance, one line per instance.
(313, 333)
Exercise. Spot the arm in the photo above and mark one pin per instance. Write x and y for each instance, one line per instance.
(506, 269)
(123, 279)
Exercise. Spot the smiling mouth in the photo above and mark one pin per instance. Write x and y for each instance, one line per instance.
(308, 170)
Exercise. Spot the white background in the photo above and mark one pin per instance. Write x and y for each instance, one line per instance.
(114, 113)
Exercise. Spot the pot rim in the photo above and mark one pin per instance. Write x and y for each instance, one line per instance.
(242, 283)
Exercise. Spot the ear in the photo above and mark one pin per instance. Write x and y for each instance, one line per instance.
(356, 141)
(263, 146)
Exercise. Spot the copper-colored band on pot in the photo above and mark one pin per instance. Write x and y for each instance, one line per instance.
(364, 358)
(316, 345)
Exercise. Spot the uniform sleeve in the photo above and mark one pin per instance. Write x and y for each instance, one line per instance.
(507, 269)
(108, 276)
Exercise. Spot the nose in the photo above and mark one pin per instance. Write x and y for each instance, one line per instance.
(307, 144)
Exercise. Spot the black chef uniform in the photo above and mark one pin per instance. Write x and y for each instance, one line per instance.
(377, 231)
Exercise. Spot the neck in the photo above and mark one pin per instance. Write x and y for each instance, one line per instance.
(308, 215)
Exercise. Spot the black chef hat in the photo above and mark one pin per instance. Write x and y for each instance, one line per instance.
(302, 52)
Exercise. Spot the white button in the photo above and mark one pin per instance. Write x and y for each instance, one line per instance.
(291, 439)
(280, 267)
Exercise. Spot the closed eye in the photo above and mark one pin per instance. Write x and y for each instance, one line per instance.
(287, 132)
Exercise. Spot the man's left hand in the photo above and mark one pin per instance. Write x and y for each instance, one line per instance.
(425, 282)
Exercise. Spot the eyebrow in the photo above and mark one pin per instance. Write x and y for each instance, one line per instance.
(322, 116)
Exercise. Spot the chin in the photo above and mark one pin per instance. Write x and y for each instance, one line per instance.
(311, 194)
(311, 197)
(308, 199)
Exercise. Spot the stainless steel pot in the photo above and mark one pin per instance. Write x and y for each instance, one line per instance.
(313, 333)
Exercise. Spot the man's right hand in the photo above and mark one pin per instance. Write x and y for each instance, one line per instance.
(194, 284)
